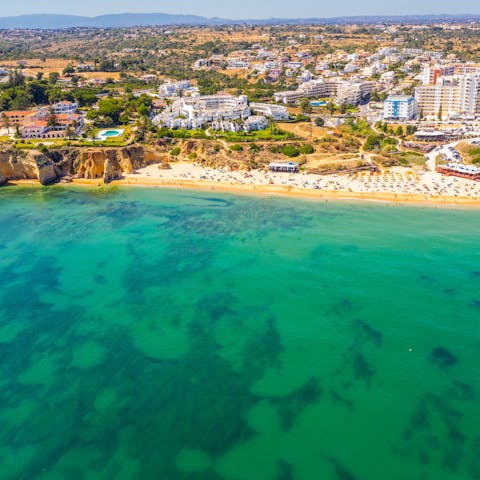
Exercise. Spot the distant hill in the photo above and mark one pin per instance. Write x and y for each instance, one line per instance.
(46, 21)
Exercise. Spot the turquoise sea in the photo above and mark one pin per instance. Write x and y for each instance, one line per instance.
(162, 334)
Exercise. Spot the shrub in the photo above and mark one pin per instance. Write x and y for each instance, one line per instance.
(175, 152)
(290, 151)
(306, 149)
(373, 142)
(236, 148)
(274, 149)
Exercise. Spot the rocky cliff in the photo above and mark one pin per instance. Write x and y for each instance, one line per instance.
(106, 164)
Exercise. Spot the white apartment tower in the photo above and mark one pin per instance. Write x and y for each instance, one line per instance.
(450, 95)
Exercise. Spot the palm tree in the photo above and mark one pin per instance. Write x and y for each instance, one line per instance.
(70, 132)
(305, 106)
(90, 133)
(74, 127)
(18, 132)
(331, 107)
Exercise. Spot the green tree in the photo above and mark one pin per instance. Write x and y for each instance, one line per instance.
(90, 132)
(372, 142)
(143, 110)
(37, 90)
(6, 122)
(16, 78)
(330, 107)
(411, 129)
(69, 70)
(305, 106)
(110, 108)
(52, 120)
(22, 101)
(70, 132)
(53, 77)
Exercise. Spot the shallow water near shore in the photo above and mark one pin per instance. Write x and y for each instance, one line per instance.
(165, 334)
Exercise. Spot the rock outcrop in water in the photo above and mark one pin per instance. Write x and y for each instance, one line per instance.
(106, 164)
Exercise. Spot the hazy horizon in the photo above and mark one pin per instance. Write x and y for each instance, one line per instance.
(245, 9)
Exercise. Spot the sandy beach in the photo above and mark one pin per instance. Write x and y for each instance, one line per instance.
(396, 185)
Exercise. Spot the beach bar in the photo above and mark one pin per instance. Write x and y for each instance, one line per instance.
(463, 171)
(289, 167)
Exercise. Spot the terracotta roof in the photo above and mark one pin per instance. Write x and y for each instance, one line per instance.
(18, 113)
(36, 124)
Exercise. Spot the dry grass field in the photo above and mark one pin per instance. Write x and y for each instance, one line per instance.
(305, 130)
(33, 66)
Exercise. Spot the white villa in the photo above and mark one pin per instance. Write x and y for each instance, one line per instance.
(64, 107)
(170, 89)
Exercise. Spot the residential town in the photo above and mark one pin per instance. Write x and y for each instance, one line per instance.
(282, 82)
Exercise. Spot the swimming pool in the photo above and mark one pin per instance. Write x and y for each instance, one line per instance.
(111, 133)
(318, 104)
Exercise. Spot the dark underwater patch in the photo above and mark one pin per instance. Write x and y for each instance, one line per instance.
(218, 201)
(366, 333)
(290, 406)
(434, 425)
(285, 471)
(362, 368)
(462, 391)
(263, 349)
(341, 472)
(443, 358)
(340, 399)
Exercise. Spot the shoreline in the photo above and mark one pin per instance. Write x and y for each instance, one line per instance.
(271, 190)
(284, 191)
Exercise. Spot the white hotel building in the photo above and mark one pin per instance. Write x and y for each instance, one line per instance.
(214, 107)
(276, 112)
(344, 92)
(222, 112)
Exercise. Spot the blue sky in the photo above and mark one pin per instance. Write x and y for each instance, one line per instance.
(244, 8)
